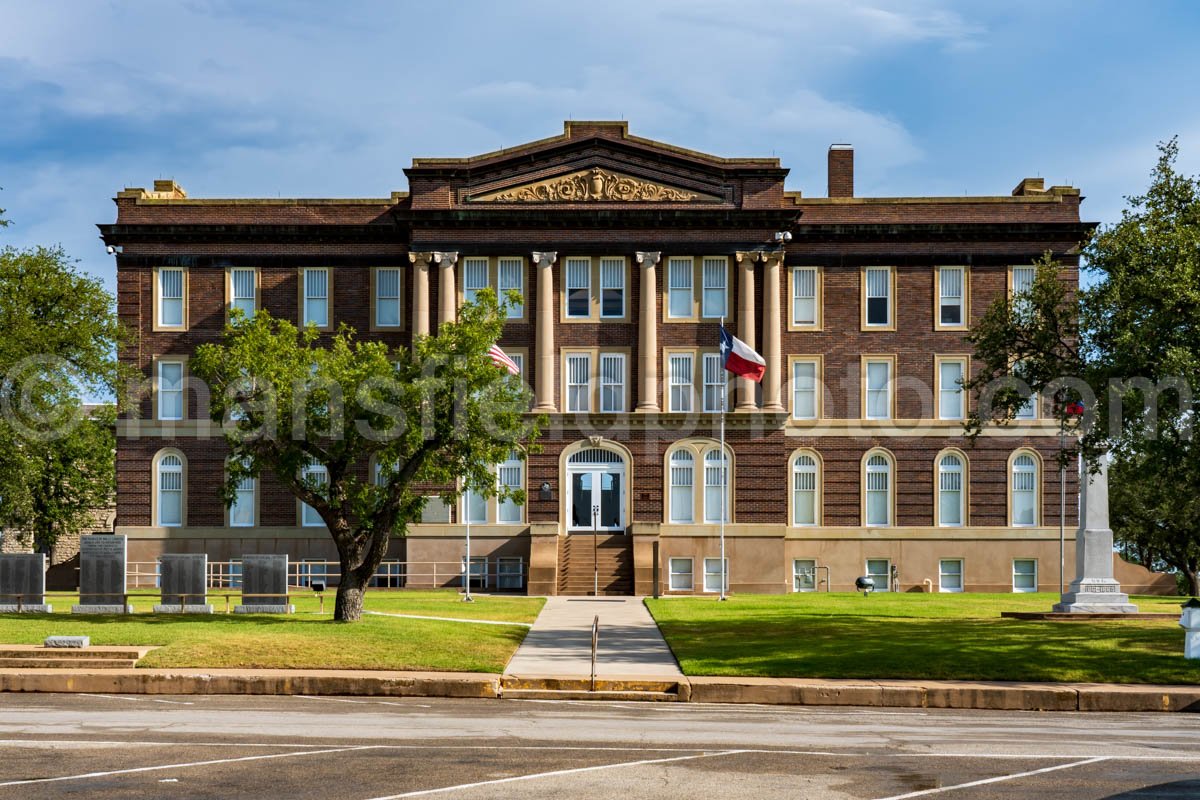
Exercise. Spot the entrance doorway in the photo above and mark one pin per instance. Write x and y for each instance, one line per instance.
(596, 496)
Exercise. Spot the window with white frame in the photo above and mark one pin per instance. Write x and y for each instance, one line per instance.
(716, 384)
(612, 382)
(519, 360)
(804, 575)
(1029, 408)
(511, 276)
(478, 571)
(679, 287)
(716, 487)
(715, 295)
(579, 287)
(170, 297)
(170, 491)
(878, 296)
(879, 389)
(317, 477)
(387, 298)
(712, 574)
(241, 512)
(474, 507)
(682, 477)
(612, 287)
(950, 575)
(805, 490)
(510, 572)
(804, 296)
(1024, 575)
(878, 481)
(950, 491)
(679, 375)
(510, 476)
(316, 297)
(243, 286)
(951, 296)
(579, 371)
(880, 571)
(950, 389)
(170, 390)
(1022, 280)
(475, 277)
(1023, 483)
(680, 574)
(804, 388)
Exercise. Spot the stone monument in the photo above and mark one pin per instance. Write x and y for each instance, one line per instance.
(102, 561)
(1094, 590)
(264, 585)
(184, 581)
(23, 583)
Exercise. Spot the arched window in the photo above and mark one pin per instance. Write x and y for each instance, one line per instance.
(682, 486)
(716, 486)
(241, 512)
(318, 478)
(878, 482)
(170, 490)
(1023, 484)
(951, 471)
(806, 491)
(510, 475)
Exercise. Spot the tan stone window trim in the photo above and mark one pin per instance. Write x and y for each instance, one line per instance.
(594, 387)
(158, 299)
(155, 487)
(229, 288)
(257, 510)
(301, 291)
(964, 488)
(819, 489)
(696, 272)
(891, 486)
(595, 289)
(863, 386)
(402, 314)
(891, 298)
(492, 503)
(818, 298)
(1038, 479)
(819, 387)
(698, 448)
(492, 266)
(698, 384)
(955, 358)
(965, 300)
(155, 382)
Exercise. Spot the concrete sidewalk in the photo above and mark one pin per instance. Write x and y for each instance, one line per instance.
(560, 641)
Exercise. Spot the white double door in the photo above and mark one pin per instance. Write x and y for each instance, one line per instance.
(597, 497)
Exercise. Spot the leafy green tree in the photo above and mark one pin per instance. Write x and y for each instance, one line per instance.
(427, 420)
(1128, 345)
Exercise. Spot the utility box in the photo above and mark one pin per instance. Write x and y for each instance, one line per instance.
(1190, 622)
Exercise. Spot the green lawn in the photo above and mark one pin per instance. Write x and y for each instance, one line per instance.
(307, 639)
(918, 636)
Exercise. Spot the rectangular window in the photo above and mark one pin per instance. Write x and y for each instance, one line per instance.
(612, 382)
(1022, 280)
(317, 476)
(879, 390)
(682, 469)
(712, 575)
(579, 287)
(510, 572)
(679, 288)
(951, 296)
(579, 372)
(170, 497)
(950, 575)
(804, 575)
(170, 298)
(387, 298)
(950, 391)
(804, 492)
(241, 513)
(612, 287)
(804, 389)
(1030, 408)
(474, 507)
(509, 476)
(170, 390)
(316, 297)
(879, 296)
(716, 271)
(478, 571)
(880, 571)
(950, 492)
(716, 384)
(680, 376)
(804, 296)
(680, 578)
(475, 277)
(511, 276)
(519, 360)
(243, 287)
(1024, 497)
(716, 488)
(1024, 575)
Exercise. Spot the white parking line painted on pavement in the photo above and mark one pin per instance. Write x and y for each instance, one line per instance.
(555, 773)
(998, 779)
(361, 702)
(141, 699)
(133, 770)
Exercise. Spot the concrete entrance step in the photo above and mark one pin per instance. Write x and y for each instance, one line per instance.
(25, 656)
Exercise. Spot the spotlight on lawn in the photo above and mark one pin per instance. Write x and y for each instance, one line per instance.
(865, 584)
(318, 586)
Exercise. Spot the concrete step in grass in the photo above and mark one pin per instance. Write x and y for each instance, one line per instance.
(87, 653)
(66, 663)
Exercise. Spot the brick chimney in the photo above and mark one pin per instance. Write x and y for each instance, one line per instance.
(841, 170)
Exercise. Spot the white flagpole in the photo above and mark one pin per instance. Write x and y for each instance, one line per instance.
(724, 459)
(467, 564)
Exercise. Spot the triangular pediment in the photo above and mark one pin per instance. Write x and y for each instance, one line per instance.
(594, 185)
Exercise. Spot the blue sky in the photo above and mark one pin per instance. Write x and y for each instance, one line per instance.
(321, 99)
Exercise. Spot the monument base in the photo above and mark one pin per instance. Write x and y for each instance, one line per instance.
(174, 609)
(265, 609)
(1096, 596)
(1191, 645)
(116, 608)
(26, 608)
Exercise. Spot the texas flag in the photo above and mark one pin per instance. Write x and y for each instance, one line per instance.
(740, 358)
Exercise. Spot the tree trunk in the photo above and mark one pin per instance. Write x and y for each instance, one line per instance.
(1193, 579)
(349, 604)
(358, 560)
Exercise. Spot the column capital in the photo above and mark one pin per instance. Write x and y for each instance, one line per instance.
(447, 258)
(749, 257)
(545, 258)
(772, 256)
(648, 258)
(424, 258)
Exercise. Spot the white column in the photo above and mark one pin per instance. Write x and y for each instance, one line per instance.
(420, 315)
(648, 333)
(544, 346)
(447, 290)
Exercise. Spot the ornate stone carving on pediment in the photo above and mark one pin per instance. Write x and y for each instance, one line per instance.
(594, 185)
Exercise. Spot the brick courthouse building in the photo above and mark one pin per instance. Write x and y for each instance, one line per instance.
(848, 459)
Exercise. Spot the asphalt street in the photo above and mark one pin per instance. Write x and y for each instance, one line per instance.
(326, 748)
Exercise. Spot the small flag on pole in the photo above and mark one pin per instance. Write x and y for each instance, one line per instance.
(501, 360)
(740, 358)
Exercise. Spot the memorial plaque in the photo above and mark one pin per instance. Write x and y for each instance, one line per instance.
(183, 578)
(264, 585)
(102, 565)
(23, 582)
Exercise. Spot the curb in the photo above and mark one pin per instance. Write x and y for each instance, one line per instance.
(963, 695)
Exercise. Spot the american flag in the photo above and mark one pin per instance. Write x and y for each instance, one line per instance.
(501, 360)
